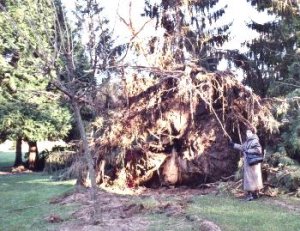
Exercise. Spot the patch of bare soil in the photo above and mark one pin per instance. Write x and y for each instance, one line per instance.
(113, 211)
(20, 169)
(5, 173)
(109, 212)
(14, 170)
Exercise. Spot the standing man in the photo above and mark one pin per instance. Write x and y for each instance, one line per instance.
(252, 171)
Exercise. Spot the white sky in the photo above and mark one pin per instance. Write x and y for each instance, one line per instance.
(241, 13)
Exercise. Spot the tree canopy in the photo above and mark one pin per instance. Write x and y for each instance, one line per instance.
(28, 110)
(275, 52)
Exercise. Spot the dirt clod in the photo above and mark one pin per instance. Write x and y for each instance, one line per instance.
(209, 226)
(54, 218)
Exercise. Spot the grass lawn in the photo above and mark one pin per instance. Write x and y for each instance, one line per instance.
(7, 159)
(24, 205)
(235, 215)
(229, 213)
(24, 201)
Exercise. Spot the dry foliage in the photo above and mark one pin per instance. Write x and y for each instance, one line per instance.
(173, 128)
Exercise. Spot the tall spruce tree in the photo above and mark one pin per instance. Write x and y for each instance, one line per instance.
(275, 53)
(27, 111)
(191, 32)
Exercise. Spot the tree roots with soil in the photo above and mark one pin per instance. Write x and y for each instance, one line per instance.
(173, 128)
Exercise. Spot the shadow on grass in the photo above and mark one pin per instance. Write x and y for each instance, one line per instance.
(6, 161)
(24, 200)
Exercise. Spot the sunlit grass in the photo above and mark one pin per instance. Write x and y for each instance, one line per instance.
(230, 214)
(233, 214)
(170, 223)
(24, 205)
(24, 201)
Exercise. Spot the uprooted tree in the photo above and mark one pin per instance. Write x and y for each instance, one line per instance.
(174, 128)
(167, 119)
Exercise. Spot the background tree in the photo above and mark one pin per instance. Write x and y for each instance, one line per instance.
(276, 56)
(275, 53)
(97, 54)
(190, 33)
(51, 39)
(27, 111)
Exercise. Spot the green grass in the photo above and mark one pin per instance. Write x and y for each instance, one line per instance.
(24, 205)
(235, 215)
(24, 201)
(7, 159)
(230, 214)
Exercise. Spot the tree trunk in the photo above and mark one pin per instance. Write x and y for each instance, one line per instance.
(18, 160)
(32, 154)
(68, 53)
(85, 146)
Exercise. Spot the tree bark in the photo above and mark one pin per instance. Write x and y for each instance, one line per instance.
(68, 53)
(18, 160)
(85, 146)
(32, 154)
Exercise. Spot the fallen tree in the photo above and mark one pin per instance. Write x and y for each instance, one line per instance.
(173, 128)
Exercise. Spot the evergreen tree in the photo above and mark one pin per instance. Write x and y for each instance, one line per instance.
(27, 111)
(275, 54)
(191, 33)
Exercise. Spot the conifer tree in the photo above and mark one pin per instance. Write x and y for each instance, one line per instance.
(275, 53)
(27, 110)
(191, 32)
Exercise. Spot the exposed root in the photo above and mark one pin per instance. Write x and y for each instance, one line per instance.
(182, 120)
